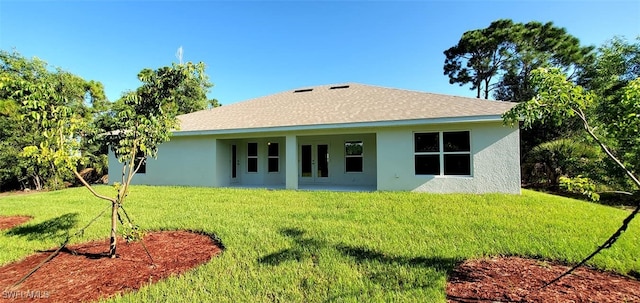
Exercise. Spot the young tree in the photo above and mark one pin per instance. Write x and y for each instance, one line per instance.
(143, 119)
(558, 100)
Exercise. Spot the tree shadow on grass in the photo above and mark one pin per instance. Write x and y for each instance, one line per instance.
(303, 248)
(51, 228)
(385, 270)
(362, 254)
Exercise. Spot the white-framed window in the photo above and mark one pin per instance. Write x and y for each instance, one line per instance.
(252, 157)
(273, 157)
(442, 153)
(353, 156)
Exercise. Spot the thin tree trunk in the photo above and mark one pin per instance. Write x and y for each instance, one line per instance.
(114, 221)
(486, 88)
(37, 182)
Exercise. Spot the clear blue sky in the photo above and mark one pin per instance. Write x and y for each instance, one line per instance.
(257, 48)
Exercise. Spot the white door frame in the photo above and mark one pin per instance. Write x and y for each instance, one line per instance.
(320, 172)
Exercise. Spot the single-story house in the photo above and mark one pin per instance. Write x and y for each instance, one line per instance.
(347, 136)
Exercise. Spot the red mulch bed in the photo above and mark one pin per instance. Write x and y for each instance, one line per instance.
(8, 222)
(82, 272)
(516, 279)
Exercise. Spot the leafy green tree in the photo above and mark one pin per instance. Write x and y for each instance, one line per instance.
(558, 100)
(502, 56)
(142, 120)
(478, 57)
(22, 81)
(540, 45)
(11, 168)
(13, 134)
(617, 64)
(500, 59)
(191, 94)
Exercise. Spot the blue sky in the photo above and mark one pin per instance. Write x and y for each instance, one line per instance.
(256, 48)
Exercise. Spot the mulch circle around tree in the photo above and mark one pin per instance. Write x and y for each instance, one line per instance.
(83, 272)
(514, 279)
(8, 222)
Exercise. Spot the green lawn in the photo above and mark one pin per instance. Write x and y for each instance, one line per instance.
(284, 246)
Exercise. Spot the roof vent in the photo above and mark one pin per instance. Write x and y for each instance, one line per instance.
(303, 90)
(339, 87)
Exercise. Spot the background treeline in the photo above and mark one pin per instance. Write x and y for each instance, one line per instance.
(497, 62)
(23, 79)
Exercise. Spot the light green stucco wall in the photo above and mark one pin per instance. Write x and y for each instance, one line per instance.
(181, 161)
(388, 160)
(495, 160)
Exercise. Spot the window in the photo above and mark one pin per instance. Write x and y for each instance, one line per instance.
(142, 161)
(442, 153)
(457, 153)
(273, 159)
(353, 156)
(252, 157)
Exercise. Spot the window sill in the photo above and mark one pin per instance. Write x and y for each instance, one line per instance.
(447, 176)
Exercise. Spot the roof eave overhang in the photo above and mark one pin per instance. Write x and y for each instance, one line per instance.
(355, 125)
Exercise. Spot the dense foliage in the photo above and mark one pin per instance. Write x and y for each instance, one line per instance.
(545, 164)
(41, 106)
(557, 100)
(32, 97)
(613, 80)
(501, 59)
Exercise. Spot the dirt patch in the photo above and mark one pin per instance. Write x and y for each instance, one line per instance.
(82, 272)
(8, 222)
(516, 279)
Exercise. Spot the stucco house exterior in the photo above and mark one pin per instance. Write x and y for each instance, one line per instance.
(347, 136)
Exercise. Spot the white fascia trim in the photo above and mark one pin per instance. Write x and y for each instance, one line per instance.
(471, 119)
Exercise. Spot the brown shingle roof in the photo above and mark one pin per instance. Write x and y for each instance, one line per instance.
(323, 105)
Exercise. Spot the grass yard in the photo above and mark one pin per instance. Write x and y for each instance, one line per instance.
(298, 246)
